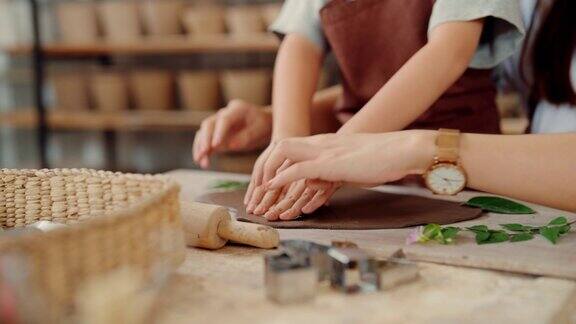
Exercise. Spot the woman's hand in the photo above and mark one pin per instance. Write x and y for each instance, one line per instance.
(285, 203)
(239, 127)
(365, 159)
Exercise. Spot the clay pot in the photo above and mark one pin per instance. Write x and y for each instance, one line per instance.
(70, 91)
(77, 22)
(152, 89)
(120, 20)
(270, 13)
(109, 89)
(244, 20)
(253, 86)
(162, 17)
(199, 90)
(204, 20)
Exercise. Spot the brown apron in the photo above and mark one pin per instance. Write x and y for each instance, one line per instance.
(372, 39)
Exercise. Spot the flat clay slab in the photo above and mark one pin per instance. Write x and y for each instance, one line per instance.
(353, 208)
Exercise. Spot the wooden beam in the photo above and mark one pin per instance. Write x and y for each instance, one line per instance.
(166, 45)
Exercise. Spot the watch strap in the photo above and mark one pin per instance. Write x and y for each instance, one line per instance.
(447, 145)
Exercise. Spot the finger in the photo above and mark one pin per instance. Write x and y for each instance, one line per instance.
(196, 147)
(221, 129)
(205, 137)
(292, 195)
(257, 196)
(296, 210)
(294, 150)
(241, 140)
(249, 191)
(256, 178)
(320, 199)
(268, 200)
(301, 170)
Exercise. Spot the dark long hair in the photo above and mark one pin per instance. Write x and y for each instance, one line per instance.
(548, 52)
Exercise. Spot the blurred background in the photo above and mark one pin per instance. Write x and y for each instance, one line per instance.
(125, 83)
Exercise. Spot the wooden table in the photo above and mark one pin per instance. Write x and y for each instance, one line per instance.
(226, 286)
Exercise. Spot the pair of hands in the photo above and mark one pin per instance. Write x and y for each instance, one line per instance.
(244, 127)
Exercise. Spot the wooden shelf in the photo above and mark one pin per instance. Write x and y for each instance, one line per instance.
(148, 120)
(158, 46)
(98, 121)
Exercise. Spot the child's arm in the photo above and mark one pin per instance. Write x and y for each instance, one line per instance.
(295, 78)
(296, 74)
(421, 81)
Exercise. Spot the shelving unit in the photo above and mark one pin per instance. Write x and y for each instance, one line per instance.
(105, 52)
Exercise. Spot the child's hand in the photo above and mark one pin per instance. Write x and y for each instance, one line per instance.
(240, 126)
(299, 198)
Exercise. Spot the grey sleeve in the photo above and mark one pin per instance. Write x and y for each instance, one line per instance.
(301, 17)
(503, 28)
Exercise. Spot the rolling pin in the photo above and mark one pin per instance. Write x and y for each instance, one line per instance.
(211, 227)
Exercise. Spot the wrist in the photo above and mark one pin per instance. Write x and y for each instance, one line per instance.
(421, 149)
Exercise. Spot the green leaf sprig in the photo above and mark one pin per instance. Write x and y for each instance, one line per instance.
(229, 185)
(499, 205)
(552, 232)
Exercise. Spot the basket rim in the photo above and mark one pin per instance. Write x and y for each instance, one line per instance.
(95, 219)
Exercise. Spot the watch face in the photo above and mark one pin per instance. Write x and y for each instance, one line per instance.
(446, 179)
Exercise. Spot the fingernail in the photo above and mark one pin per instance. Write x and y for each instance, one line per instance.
(250, 208)
(259, 211)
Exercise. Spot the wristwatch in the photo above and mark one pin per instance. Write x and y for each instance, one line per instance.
(446, 175)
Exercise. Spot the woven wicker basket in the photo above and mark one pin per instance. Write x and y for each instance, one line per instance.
(116, 220)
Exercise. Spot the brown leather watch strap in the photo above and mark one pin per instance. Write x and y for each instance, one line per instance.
(447, 145)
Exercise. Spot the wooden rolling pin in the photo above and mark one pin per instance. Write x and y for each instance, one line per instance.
(211, 227)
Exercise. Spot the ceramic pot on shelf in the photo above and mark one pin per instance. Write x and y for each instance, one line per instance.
(152, 90)
(77, 22)
(120, 20)
(253, 86)
(204, 20)
(162, 17)
(245, 21)
(199, 90)
(70, 90)
(109, 90)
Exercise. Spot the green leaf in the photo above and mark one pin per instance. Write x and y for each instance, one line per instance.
(515, 227)
(558, 221)
(478, 228)
(448, 234)
(229, 185)
(521, 237)
(499, 205)
(564, 229)
(496, 237)
(482, 237)
(431, 231)
(550, 233)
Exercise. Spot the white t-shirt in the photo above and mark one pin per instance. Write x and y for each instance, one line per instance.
(499, 41)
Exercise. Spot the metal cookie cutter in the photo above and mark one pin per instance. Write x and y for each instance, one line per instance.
(293, 273)
(395, 272)
(288, 280)
(352, 270)
(313, 253)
